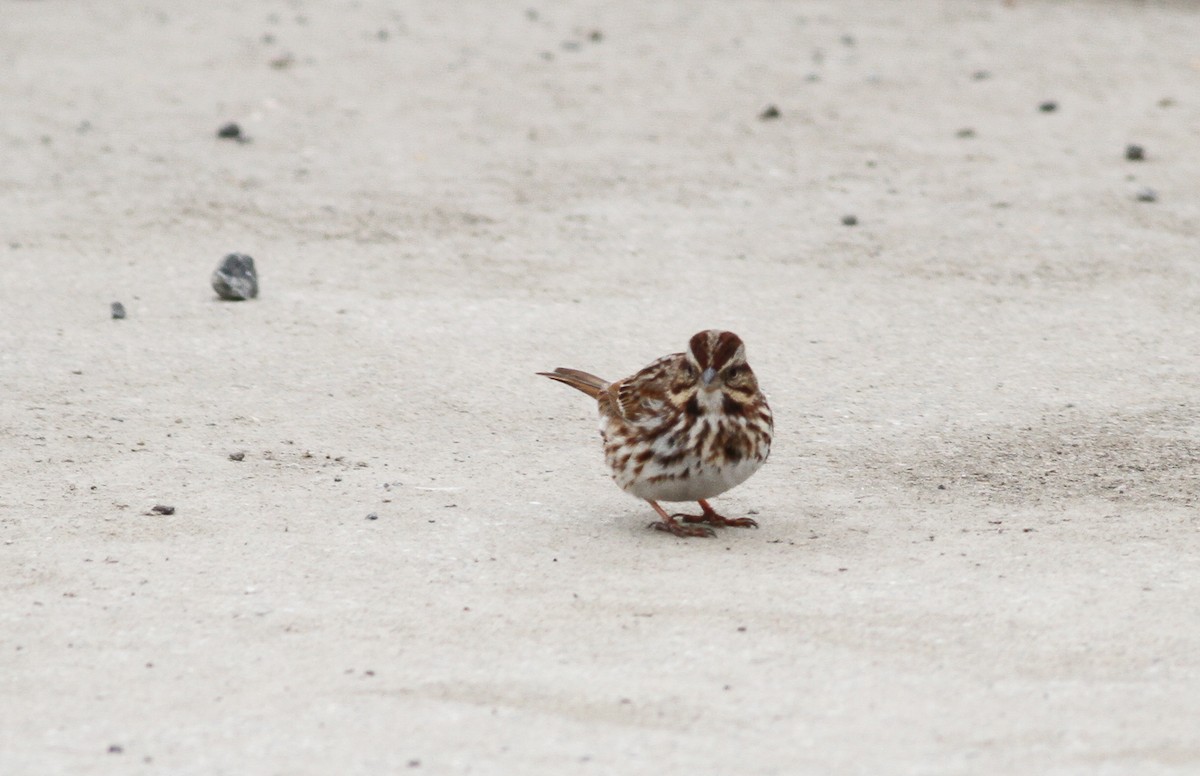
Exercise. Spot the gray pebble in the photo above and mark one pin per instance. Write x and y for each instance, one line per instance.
(1135, 153)
(1147, 195)
(118, 311)
(850, 220)
(236, 279)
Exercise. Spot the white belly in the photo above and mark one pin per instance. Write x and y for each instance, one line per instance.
(687, 469)
(701, 483)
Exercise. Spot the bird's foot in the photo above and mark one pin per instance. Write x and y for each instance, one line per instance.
(669, 524)
(720, 520)
(711, 517)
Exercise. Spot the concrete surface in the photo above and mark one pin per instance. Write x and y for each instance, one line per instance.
(980, 527)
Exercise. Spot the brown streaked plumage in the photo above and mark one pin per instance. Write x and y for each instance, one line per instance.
(688, 427)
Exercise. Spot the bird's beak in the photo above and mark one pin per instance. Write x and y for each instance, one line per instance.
(708, 375)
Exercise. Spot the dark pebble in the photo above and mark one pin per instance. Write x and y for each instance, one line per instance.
(237, 456)
(118, 311)
(236, 278)
(770, 112)
(981, 75)
(1135, 153)
(1147, 195)
(1048, 107)
(850, 220)
(162, 509)
(372, 516)
(230, 131)
(115, 749)
(965, 132)
(595, 36)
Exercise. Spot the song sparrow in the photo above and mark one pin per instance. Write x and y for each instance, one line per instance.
(688, 427)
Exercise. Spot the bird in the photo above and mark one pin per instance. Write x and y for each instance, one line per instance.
(687, 427)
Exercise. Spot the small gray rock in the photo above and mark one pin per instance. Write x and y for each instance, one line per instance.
(1147, 195)
(1135, 153)
(118, 311)
(850, 220)
(236, 279)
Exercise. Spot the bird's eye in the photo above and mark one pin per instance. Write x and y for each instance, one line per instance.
(734, 371)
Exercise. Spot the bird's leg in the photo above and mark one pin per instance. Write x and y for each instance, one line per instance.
(669, 525)
(710, 516)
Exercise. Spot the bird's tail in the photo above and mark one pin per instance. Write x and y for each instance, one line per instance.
(588, 383)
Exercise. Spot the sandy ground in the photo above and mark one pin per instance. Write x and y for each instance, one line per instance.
(980, 527)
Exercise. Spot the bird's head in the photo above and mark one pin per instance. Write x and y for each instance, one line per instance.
(719, 358)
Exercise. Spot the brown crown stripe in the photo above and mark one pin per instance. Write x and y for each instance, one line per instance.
(701, 349)
(726, 348)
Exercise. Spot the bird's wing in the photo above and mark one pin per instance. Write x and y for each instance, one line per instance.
(643, 398)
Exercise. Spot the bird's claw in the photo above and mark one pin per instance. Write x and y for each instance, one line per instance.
(682, 530)
(720, 520)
